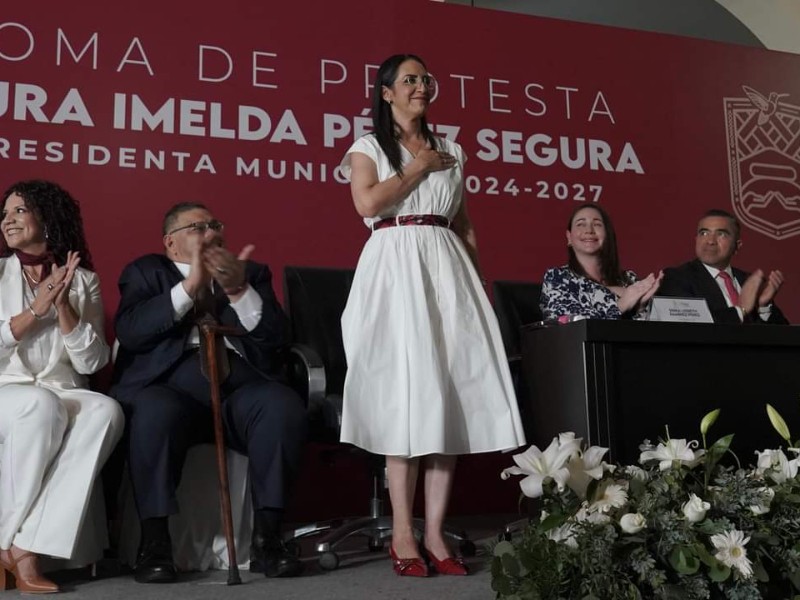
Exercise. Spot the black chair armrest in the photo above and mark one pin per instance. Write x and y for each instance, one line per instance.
(311, 370)
(307, 375)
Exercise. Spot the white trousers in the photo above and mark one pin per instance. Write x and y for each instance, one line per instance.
(54, 443)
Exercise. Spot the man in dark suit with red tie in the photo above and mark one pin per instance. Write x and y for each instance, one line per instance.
(158, 380)
(733, 296)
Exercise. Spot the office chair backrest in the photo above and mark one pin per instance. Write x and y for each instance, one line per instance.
(315, 299)
(516, 303)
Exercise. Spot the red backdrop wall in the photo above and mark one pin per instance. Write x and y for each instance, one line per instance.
(250, 109)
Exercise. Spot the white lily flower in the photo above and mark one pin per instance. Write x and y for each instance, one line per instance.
(541, 466)
(567, 437)
(764, 460)
(585, 466)
(777, 465)
(632, 522)
(695, 509)
(731, 551)
(674, 450)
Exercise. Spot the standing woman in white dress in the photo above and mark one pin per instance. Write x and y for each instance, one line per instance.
(427, 376)
(55, 434)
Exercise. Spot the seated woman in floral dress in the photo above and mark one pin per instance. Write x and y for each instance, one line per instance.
(592, 284)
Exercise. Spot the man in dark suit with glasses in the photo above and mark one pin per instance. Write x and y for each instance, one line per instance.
(158, 380)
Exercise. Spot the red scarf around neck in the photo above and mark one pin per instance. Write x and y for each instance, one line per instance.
(34, 260)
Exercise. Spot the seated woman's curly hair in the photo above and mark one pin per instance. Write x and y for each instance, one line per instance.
(59, 215)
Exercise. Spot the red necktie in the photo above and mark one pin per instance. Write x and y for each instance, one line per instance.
(732, 293)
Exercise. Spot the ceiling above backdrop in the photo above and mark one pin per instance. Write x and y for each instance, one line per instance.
(772, 24)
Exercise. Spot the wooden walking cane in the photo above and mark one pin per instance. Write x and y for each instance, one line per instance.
(210, 330)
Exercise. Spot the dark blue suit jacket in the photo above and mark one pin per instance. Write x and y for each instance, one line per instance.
(151, 342)
(692, 280)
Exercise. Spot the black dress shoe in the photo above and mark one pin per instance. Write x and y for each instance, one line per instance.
(154, 563)
(269, 555)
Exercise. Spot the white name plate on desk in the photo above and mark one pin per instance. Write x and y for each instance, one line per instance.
(679, 310)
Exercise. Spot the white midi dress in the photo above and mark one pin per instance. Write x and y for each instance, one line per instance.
(426, 368)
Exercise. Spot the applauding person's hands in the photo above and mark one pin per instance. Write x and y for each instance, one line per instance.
(639, 293)
(226, 268)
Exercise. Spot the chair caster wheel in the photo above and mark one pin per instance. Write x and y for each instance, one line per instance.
(467, 548)
(375, 545)
(329, 561)
(293, 548)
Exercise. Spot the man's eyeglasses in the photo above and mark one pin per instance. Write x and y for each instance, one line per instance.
(429, 81)
(201, 227)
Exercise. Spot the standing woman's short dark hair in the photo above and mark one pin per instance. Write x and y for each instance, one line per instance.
(609, 255)
(58, 213)
(382, 119)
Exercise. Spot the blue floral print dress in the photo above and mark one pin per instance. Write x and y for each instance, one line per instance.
(565, 293)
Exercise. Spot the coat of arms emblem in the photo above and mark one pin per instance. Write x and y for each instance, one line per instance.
(764, 160)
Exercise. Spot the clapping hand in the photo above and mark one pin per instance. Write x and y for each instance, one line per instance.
(759, 290)
(47, 291)
(652, 290)
(68, 273)
(198, 277)
(55, 287)
(770, 288)
(750, 291)
(639, 293)
(227, 269)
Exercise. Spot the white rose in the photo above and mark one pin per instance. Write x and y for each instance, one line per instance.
(632, 523)
(762, 508)
(695, 509)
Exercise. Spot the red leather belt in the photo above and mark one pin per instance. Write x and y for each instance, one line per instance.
(402, 220)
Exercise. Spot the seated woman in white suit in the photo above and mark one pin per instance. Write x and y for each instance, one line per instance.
(55, 433)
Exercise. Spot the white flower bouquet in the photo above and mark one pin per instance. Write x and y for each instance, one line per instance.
(680, 525)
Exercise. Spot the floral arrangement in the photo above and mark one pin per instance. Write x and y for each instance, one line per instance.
(680, 525)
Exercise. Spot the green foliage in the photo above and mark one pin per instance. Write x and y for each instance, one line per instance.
(707, 422)
(586, 547)
(779, 424)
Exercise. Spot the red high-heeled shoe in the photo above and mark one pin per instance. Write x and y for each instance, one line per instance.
(448, 566)
(409, 567)
(25, 570)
